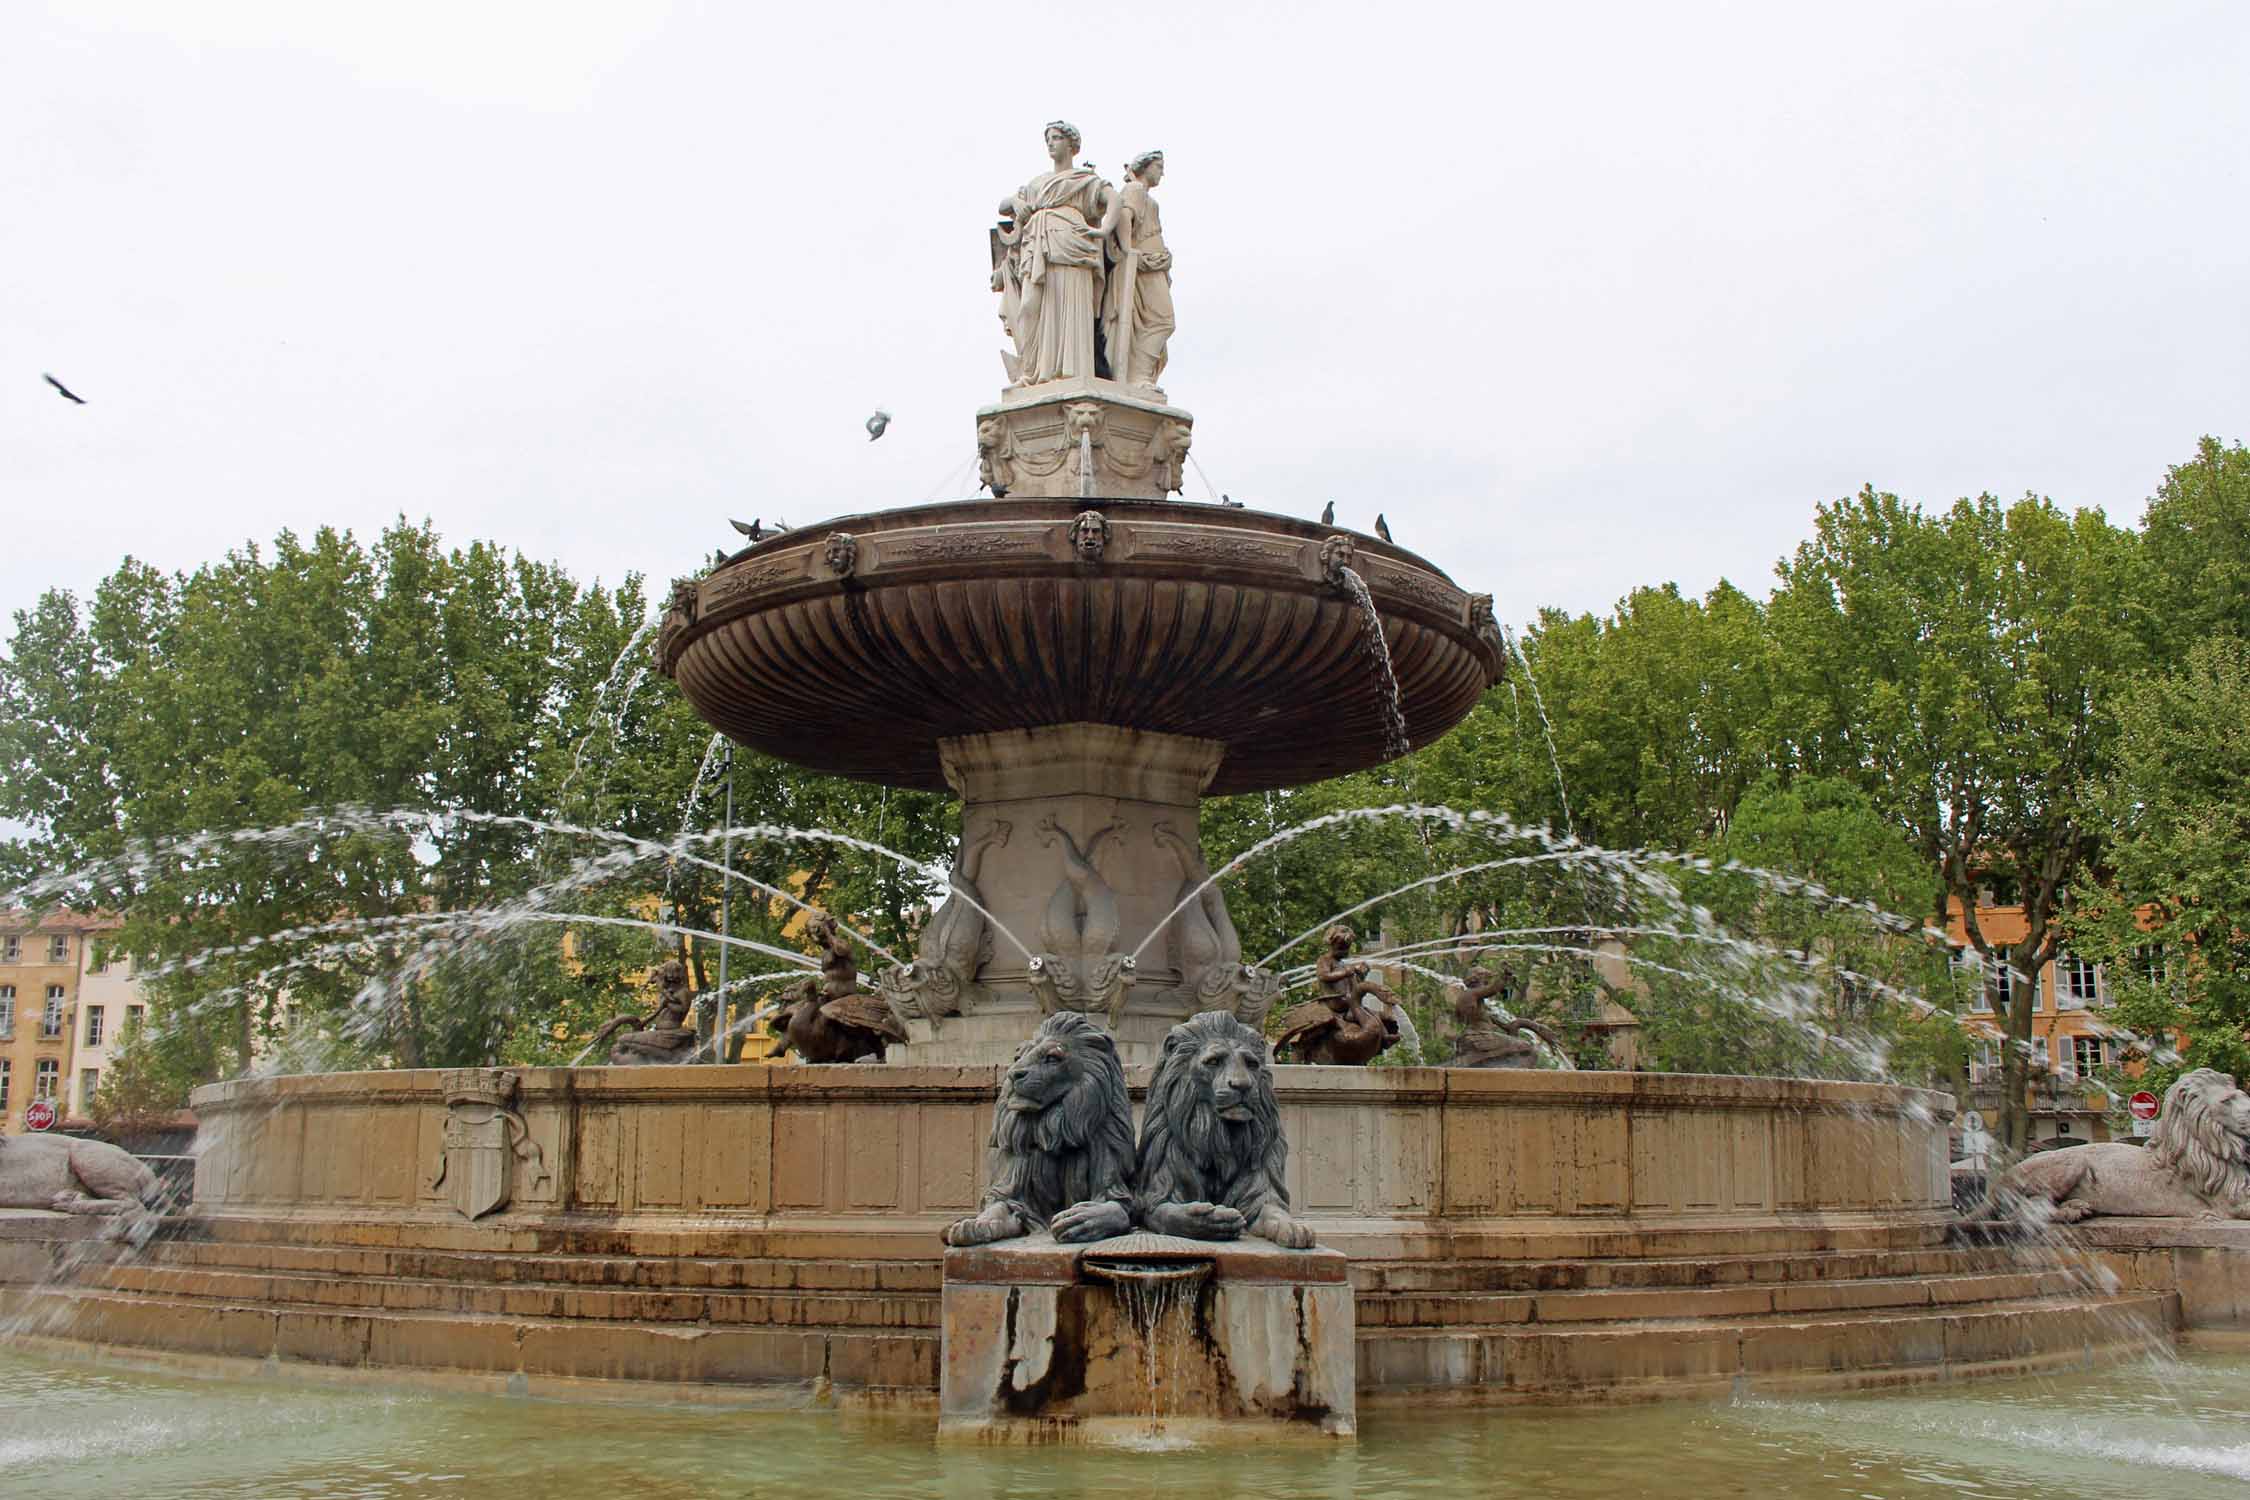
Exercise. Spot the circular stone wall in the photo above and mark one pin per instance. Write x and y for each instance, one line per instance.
(772, 1233)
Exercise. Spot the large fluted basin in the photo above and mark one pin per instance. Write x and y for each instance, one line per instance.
(856, 645)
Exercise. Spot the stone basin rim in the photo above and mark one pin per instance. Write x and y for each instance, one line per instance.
(856, 645)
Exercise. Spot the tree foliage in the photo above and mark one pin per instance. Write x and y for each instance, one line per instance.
(2169, 906)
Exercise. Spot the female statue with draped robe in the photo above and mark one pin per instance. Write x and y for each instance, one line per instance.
(1048, 265)
(1137, 318)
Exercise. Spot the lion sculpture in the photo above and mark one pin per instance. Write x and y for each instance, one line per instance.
(1211, 1151)
(1062, 1141)
(72, 1176)
(2196, 1165)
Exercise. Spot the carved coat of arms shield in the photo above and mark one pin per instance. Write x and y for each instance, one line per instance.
(483, 1138)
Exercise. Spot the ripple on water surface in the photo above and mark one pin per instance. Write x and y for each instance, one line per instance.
(2181, 1430)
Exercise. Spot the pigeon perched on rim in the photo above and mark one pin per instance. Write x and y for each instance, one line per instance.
(1328, 515)
(1382, 528)
(877, 423)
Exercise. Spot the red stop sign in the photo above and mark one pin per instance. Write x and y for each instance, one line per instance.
(39, 1114)
(2143, 1105)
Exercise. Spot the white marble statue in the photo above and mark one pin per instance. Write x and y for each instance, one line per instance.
(1137, 313)
(1047, 265)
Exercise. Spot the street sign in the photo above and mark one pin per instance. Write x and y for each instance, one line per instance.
(39, 1114)
(2143, 1105)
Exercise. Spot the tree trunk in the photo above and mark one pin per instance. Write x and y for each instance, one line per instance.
(2015, 1070)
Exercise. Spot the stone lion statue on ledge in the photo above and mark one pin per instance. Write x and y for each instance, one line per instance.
(1062, 1141)
(2196, 1165)
(1211, 1151)
(67, 1175)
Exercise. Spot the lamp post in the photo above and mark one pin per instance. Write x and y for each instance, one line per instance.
(723, 1047)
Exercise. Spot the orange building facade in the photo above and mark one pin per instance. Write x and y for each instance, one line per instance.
(2070, 1030)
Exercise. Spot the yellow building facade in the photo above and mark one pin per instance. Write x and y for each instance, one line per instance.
(63, 1005)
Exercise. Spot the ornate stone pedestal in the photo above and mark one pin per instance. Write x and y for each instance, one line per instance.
(1034, 442)
(1080, 840)
(1146, 1336)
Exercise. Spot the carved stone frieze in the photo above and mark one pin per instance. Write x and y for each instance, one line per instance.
(729, 584)
(842, 554)
(1214, 546)
(1421, 588)
(952, 546)
(1033, 444)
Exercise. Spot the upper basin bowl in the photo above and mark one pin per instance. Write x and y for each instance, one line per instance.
(854, 646)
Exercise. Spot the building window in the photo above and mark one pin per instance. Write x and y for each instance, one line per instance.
(133, 1018)
(89, 1079)
(58, 950)
(2078, 982)
(50, 1022)
(2088, 1053)
(1999, 985)
(2152, 964)
(93, 1026)
(6, 1067)
(11, 950)
(7, 1010)
(43, 1081)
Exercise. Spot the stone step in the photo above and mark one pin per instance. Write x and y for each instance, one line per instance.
(663, 1273)
(906, 1237)
(913, 1239)
(530, 1300)
(1695, 1304)
(843, 1358)
(1677, 1357)
(1685, 1271)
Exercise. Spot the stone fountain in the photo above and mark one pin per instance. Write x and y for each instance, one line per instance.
(1081, 657)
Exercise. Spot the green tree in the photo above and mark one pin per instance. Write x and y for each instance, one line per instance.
(2169, 906)
(2198, 537)
(1953, 665)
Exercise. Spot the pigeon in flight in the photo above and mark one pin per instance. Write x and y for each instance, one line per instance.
(754, 529)
(1382, 529)
(67, 393)
(1328, 516)
(877, 423)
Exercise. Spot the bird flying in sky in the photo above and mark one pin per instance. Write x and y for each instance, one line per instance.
(67, 393)
(877, 423)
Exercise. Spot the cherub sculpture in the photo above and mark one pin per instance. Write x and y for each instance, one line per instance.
(662, 1036)
(1337, 1029)
(1497, 1040)
(831, 1020)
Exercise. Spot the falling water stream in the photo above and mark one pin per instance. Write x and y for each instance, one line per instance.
(1378, 652)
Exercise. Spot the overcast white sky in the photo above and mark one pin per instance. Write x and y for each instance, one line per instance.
(1582, 296)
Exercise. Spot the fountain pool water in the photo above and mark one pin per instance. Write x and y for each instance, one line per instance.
(108, 1428)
